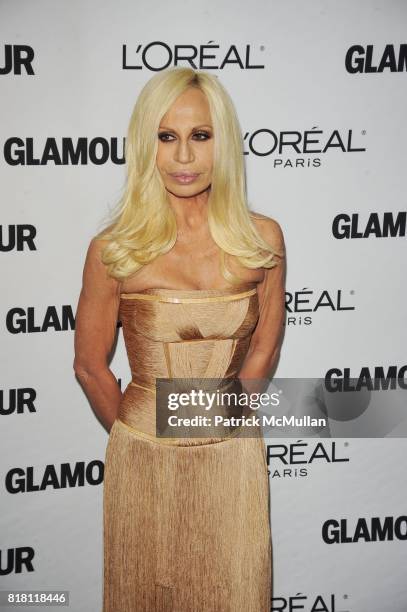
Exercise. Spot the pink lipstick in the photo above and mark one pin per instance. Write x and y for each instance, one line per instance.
(184, 177)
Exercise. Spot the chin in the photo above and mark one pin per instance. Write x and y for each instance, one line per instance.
(186, 191)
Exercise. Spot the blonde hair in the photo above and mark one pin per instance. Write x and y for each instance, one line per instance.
(143, 226)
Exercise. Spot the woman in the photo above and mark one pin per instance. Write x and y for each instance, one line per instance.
(198, 283)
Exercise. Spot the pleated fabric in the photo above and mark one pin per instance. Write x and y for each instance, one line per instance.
(186, 522)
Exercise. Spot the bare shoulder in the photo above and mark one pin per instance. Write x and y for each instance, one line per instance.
(95, 249)
(95, 273)
(270, 230)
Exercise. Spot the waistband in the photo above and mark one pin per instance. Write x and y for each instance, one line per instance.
(153, 390)
(179, 441)
(183, 441)
(134, 384)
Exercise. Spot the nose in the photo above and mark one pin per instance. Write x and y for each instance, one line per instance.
(184, 152)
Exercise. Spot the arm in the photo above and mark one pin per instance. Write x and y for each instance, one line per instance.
(95, 331)
(264, 348)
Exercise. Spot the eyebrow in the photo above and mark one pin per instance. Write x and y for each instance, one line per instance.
(197, 127)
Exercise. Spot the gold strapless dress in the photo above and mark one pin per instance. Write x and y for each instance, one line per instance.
(186, 521)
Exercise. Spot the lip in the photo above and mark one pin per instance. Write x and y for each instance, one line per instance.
(184, 177)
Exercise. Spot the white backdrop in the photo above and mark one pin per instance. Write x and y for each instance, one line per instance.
(70, 73)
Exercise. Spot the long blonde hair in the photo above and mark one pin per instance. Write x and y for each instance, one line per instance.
(143, 225)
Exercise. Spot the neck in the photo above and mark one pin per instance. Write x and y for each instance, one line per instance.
(190, 213)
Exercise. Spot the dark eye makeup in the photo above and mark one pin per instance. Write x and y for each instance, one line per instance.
(202, 135)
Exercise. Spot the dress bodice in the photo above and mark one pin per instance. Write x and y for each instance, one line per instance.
(170, 333)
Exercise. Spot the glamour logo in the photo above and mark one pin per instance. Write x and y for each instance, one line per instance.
(25, 320)
(370, 59)
(17, 57)
(337, 379)
(15, 560)
(158, 55)
(23, 480)
(20, 320)
(309, 300)
(18, 401)
(285, 459)
(67, 152)
(17, 237)
(375, 529)
(306, 603)
(389, 224)
(264, 142)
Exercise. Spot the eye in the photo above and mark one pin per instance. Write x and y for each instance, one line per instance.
(205, 135)
(200, 136)
(163, 136)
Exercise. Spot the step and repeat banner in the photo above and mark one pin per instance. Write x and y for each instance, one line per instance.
(320, 89)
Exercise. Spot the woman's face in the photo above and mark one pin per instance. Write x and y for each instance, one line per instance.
(185, 145)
